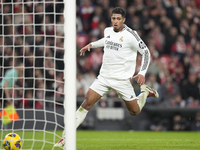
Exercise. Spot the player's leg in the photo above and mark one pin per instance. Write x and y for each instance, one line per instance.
(126, 92)
(90, 99)
(146, 91)
(134, 104)
(133, 107)
(96, 91)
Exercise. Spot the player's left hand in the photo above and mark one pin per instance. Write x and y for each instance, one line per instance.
(141, 79)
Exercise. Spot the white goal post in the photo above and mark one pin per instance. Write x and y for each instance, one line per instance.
(70, 74)
(38, 72)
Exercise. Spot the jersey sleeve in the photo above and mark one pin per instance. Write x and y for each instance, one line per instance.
(145, 61)
(99, 43)
(144, 51)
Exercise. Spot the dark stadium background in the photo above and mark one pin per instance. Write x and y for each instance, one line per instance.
(170, 29)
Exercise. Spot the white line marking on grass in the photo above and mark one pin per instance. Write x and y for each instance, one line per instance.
(135, 139)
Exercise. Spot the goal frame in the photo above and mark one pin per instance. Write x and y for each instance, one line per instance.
(70, 74)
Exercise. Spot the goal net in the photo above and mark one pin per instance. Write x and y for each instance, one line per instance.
(32, 71)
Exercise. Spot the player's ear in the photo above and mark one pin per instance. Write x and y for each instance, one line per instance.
(111, 18)
(124, 20)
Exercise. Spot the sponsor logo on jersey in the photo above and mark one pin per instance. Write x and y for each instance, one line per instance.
(142, 45)
(121, 39)
(113, 45)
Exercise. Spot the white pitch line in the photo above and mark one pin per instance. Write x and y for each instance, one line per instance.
(135, 139)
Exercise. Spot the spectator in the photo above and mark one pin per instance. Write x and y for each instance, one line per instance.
(40, 92)
(171, 35)
(122, 3)
(80, 85)
(8, 82)
(84, 65)
(96, 18)
(184, 27)
(149, 26)
(176, 68)
(86, 10)
(144, 16)
(47, 28)
(159, 38)
(169, 89)
(176, 101)
(179, 123)
(197, 47)
(139, 7)
(192, 103)
(179, 47)
(166, 24)
(190, 87)
(135, 22)
(57, 86)
(195, 63)
(192, 36)
(29, 63)
(95, 58)
(195, 126)
(39, 16)
(79, 25)
(27, 100)
(60, 26)
(176, 19)
(158, 124)
(169, 27)
(89, 79)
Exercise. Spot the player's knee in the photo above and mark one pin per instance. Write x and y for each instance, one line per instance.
(134, 112)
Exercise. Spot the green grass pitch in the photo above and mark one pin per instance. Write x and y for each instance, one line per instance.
(121, 140)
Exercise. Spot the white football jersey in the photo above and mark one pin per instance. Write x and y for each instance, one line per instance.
(120, 53)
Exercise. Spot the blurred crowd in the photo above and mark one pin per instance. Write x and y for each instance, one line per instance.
(177, 122)
(34, 34)
(170, 29)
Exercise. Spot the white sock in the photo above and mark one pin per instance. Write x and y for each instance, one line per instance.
(142, 99)
(80, 115)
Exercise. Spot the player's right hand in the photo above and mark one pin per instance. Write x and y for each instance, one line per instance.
(141, 79)
(84, 49)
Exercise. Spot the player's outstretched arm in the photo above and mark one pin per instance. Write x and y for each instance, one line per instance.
(84, 49)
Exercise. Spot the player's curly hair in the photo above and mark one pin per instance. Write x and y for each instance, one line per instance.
(119, 10)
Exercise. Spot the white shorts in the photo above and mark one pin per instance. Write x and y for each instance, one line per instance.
(123, 88)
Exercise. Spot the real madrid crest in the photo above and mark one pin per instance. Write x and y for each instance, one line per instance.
(121, 39)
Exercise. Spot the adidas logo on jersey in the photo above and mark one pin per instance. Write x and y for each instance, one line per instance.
(108, 36)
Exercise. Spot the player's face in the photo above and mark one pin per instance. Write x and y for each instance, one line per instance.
(117, 22)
